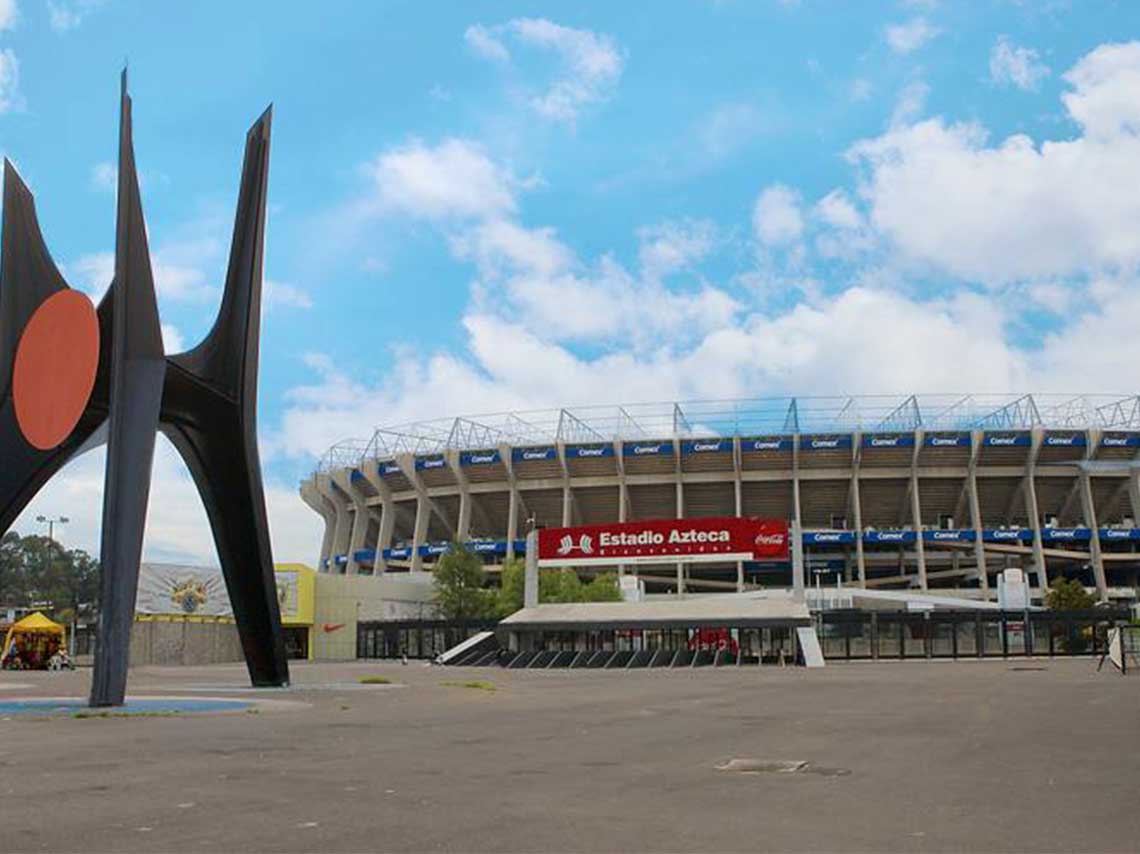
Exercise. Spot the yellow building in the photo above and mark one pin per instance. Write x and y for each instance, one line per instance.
(183, 613)
(296, 596)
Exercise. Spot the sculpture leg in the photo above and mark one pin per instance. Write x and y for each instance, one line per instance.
(228, 476)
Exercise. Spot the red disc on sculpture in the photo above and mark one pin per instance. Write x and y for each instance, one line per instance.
(55, 367)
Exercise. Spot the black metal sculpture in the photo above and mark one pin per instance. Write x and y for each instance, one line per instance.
(71, 378)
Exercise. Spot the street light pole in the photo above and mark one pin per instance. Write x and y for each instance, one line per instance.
(51, 522)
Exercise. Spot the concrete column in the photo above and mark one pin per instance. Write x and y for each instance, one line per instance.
(463, 529)
(360, 517)
(419, 534)
(387, 515)
(796, 528)
(857, 513)
(343, 529)
(680, 515)
(976, 519)
(1089, 508)
(739, 503)
(384, 536)
(512, 520)
(797, 535)
(916, 512)
(530, 576)
(324, 508)
(623, 495)
(567, 506)
(1039, 566)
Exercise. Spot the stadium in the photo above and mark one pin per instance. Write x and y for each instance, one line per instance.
(918, 493)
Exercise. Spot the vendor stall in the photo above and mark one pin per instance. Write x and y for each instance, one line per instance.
(31, 643)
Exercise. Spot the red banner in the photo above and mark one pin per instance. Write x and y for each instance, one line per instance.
(716, 538)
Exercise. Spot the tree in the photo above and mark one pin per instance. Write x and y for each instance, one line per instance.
(36, 572)
(1068, 595)
(602, 588)
(459, 580)
(554, 585)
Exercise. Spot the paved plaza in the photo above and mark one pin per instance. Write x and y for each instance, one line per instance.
(1033, 755)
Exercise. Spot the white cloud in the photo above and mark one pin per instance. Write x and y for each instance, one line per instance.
(172, 341)
(948, 198)
(776, 216)
(453, 179)
(176, 528)
(910, 36)
(1105, 82)
(729, 128)
(910, 103)
(934, 206)
(10, 97)
(590, 63)
(105, 176)
(672, 246)
(281, 294)
(9, 14)
(65, 15)
(485, 44)
(1011, 65)
(837, 210)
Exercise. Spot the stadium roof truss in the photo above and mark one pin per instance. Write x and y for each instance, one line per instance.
(742, 417)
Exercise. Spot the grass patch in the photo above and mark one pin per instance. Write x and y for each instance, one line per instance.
(474, 684)
(374, 680)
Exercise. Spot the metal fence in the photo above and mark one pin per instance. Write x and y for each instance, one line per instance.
(854, 635)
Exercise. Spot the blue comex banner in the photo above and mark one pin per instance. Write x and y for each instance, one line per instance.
(497, 547)
(947, 440)
(482, 547)
(1064, 440)
(586, 452)
(706, 446)
(1006, 535)
(364, 555)
(1006, 440)
(825, 443)
(1072, 534)
(531, 455)
(765, 443)
(389, 468)
(340, 560)
(356, 475)
(479, 458)
(952, 536)
(1120, 440)
(647, 449)
(828, 538)
(889, 440)
(1119, 534)
(428, 463)
(889, 536)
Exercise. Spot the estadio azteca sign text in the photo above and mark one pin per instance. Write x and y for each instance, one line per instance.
(704, 540)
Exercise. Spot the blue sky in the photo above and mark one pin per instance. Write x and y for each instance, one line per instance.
(481, 206)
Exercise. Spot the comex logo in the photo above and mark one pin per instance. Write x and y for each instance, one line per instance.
(585, 544)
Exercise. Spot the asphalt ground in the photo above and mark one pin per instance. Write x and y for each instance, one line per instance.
(1040, 755)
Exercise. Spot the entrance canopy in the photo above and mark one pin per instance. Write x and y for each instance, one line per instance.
(737, 611)
(33, 624)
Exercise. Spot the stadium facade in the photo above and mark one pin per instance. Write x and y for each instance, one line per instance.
(922, 492)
